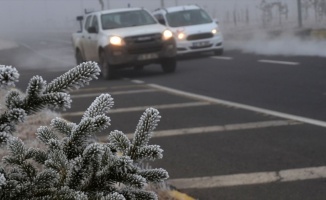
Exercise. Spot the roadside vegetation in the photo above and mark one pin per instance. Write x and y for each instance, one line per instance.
(63, 160)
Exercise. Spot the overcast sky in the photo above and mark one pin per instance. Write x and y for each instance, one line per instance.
(61, 14)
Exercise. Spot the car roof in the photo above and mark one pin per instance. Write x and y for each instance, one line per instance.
(116, 10)
(179, 8)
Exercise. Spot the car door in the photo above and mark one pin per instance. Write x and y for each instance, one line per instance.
(86, 38)
(93, 39)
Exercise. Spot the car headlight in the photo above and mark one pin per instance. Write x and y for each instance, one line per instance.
(181, 35)
(215, 31)
(117, 41)
(167, 34)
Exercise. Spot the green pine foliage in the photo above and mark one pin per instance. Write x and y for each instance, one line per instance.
(73, 166)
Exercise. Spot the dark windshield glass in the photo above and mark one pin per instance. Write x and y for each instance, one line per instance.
(188, 18)
(126, 19)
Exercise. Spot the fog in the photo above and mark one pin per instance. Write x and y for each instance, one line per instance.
(247, 25)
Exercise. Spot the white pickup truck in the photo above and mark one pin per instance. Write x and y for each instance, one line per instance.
(128, 37)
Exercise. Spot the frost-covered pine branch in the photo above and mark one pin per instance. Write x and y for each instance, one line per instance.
(39, 94)
(8, 76)
(72, 166)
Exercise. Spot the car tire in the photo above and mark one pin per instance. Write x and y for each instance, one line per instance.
(107, 70)
(138, 67)
(219, 52)
(79, 57)
(169, 65)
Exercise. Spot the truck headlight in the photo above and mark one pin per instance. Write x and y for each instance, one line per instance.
(117, 41)
(167, 34)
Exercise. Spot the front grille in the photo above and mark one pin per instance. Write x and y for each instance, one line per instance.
(143, 38)
(200, 36)
(144, 43)
(202, 47)
(144, 49)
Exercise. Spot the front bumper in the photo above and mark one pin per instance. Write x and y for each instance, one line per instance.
(140, 54)
(202, 45)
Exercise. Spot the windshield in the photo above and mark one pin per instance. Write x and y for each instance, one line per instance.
(188, 18)
(126, 19)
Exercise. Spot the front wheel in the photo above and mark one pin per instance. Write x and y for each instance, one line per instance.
(219, 52)
(79, 57)
(107, 70)
(169, 65)
(139, 67)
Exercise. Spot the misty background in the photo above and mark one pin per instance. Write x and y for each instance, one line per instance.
(258, 26)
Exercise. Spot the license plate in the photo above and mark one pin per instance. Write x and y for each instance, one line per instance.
(148, 56)
(200, 44)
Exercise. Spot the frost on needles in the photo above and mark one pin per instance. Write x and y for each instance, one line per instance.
(73, 166)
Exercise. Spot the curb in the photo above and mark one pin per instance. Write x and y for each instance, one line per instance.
(179, 196)
(312, 33)
(319, 33)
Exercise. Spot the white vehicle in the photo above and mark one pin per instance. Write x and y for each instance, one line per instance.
(118, 38)
(194, 29)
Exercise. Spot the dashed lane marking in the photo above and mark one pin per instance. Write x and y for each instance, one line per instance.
(288, 175)
(113, 93)
(221, 128)
(137, 81)
(222, 58)
(88, 89)
(241, 106)
(143, 108)
(278, 62)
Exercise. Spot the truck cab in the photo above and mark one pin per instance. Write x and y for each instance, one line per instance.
(128, 37)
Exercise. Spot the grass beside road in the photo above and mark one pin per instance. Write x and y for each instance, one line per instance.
(4, 44)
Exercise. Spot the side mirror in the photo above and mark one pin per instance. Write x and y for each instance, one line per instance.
(92, 29)
(161, 21)
(216, 21)
(79, 18)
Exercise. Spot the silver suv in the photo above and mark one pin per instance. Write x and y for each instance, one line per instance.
(193, 28)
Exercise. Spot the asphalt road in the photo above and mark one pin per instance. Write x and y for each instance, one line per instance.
(239, 126)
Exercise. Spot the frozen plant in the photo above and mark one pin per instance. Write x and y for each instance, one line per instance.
(39, 94)
(73, 166)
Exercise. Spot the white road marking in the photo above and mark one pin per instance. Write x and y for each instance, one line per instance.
(113, 93)
(128, 86)
(137, 81)
(242, 106)
(222, 128)
(143, 108)
(222, 58)
(288, 175)
(278, 62)
(88, 89)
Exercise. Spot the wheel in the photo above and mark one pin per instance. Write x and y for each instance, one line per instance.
(79, 57)
(139, 67)
(107, 70)
(169, 65)
(218, 52)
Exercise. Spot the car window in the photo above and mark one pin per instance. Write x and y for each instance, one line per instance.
(126, 19)
(88, 22)
(188, 18)
(95, 23)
